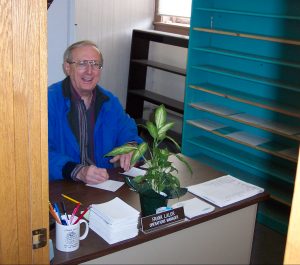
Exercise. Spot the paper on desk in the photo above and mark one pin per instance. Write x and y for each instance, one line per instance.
(225, 190)
(194, 207)
(110, 185)
(134, 172)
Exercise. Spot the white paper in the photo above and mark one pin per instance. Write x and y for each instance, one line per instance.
(225, 190)
(114, 220)
(207, 124)
(248, 138)
(222, 110)
(134, 172)
(275, 125)
(110, 185)
(194, 207)
(115, 211)
(146, 165)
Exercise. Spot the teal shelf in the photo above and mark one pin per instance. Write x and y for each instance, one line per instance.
(230, 133)
(245, 118)
(235, 12)
(247, 77)
(257, 101)
(247, 56)
(241, 157)
(249, 35)
(241, 109)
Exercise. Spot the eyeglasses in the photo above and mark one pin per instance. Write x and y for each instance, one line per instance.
(83, 65)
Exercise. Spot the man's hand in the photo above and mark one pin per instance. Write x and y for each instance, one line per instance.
(124, 160)
(92, 175)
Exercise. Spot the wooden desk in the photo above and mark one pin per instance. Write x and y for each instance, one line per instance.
(220, 237)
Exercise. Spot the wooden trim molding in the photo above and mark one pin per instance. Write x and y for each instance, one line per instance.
(172, 28)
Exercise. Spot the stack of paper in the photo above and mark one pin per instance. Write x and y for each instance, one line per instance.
(225, 190)
(114, 221)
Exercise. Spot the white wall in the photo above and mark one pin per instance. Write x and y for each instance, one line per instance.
(110, 23)
(60, 36)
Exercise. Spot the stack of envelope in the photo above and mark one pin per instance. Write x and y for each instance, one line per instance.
(114, 220)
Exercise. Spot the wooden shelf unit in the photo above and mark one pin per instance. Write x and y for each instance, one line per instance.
(241, 110)
(139, 62)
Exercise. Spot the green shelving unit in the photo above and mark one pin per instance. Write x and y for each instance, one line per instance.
(241, 109)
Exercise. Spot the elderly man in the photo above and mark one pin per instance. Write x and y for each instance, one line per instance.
(85, 120)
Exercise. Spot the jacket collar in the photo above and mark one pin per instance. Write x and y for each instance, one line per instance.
(100, 96)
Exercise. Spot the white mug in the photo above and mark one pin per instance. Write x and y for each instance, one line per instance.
(68, 236)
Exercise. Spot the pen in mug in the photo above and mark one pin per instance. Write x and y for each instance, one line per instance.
(74, 212)
(70, 199)
(53, 213)
(82, 214)
(59, 214)
(64, 210)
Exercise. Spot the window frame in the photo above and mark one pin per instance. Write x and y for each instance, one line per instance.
(172, 24)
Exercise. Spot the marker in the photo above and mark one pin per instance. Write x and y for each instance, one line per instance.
(71, 199)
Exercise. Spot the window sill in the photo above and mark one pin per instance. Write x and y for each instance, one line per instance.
(177, 28)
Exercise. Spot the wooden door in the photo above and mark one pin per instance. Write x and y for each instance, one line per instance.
(292, 250)
(23, 130)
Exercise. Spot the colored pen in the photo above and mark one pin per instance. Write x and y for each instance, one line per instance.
(80, 216)
(71, 199)
(59, 214)
(64, 211)
(74, 212)
(53, 213)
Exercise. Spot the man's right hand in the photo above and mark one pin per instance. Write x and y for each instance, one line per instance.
(92, 175)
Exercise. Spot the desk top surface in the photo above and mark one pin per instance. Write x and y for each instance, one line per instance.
(94, 246)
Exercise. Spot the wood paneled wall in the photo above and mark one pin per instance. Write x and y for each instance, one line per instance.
(23, 129)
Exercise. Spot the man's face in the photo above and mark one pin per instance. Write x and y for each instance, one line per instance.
(83, 79)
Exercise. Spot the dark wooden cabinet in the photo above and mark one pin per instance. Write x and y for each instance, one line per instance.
(139, 62)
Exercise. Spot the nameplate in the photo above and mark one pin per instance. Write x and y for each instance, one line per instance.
(159, 220)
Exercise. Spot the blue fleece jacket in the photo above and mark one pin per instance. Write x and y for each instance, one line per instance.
(113, 127)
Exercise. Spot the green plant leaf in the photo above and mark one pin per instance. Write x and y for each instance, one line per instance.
(185, 162)
(123, 149)
(174, 142)
(138, 153)
(152, 129)
(163, 130)
(160, 116)
(159, 176)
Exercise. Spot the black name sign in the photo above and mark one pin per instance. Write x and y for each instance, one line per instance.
(161, 219)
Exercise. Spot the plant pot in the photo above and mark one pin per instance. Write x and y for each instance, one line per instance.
(150, 201)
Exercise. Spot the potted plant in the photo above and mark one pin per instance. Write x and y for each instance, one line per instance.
(159, 183)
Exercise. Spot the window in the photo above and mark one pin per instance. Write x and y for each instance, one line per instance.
(173, 16)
